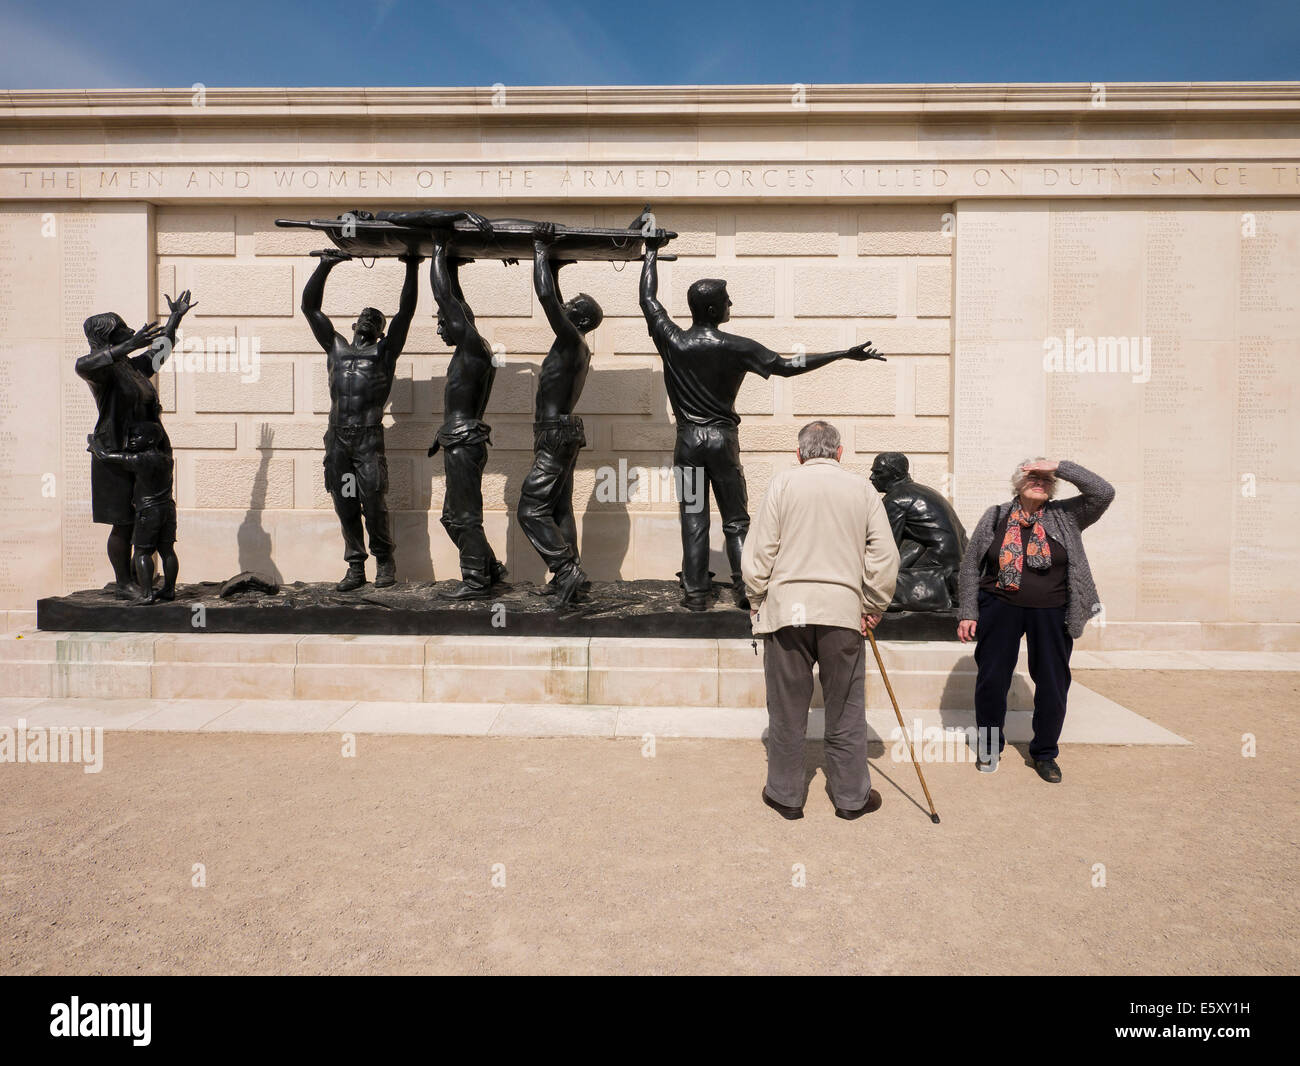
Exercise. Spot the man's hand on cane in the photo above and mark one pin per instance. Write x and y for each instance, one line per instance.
(869, 621)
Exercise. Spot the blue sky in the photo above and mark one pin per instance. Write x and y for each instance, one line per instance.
(72, 44)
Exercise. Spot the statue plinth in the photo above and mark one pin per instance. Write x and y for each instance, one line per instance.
(646, 608)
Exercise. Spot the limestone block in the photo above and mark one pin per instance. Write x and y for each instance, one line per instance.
(269, 240)
(787, 231)
(644, 436)
(618, 386)
(657, 545)
(696, 228)
(768, 436)
(904, 230)
(867, 289)
(240, 482)
(613, 285)
(100, 681)
(494, 290)
(921, 338)
(201, 433)
(846, 388)
(872, 435)
(411, 436)
(524, 669)
(679, 672)
(229, 648)
(217, 680)
(524, 339)
(325, 681)
(165, 383)
(631, 337)
(291, 436)
(933, 392)
(199, 231)
(514, 436)
(934, 288)
(242, 288)
(29, 678)
(226, 391)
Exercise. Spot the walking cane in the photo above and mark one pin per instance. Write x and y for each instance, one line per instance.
(934, 817)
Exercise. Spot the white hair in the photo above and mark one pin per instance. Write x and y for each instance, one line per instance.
(819, 440)
(1018, 476)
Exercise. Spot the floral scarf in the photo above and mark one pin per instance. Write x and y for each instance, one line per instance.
(1016, 551)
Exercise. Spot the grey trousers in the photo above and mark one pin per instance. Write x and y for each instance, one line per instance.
(788, 657)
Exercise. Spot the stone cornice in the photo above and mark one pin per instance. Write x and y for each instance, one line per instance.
(721, 102)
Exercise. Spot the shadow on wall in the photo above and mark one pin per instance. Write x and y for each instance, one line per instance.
(601, 544)
(253, 540)
(413, 550)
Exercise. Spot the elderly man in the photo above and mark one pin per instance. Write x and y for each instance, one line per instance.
(819, 565)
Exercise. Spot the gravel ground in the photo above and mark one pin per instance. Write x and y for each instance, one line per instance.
(611, 861)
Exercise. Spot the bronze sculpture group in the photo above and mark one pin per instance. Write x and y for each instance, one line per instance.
(704, 367)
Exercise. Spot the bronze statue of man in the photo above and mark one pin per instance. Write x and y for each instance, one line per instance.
(464, 436)
(360, 374)
(931, 539)
(703, 371)
(125, 397)
(546, 502)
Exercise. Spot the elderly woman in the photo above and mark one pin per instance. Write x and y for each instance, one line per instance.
(1025, 573)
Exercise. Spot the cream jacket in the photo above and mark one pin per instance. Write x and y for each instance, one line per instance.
(820, 552)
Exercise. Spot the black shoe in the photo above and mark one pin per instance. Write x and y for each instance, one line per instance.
(1048, 770)
(499, 572)
(790, 813)
(466, 591)
(353, 579)
(698, 601)
(738, 596)
(873, 804)
(385, 573)
(987, 763)
(568, 586)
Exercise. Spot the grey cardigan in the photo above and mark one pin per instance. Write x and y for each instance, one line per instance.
(1063, 519)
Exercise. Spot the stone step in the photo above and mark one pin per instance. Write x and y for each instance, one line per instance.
(689, 674)
(451, 669)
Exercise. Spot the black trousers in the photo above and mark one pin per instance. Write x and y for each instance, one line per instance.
(997, 647)
(788, 657)
(709, 457)
(546, 502)
(462, 510)
(356, 477)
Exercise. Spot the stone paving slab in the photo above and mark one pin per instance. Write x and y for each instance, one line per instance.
(1093, 719)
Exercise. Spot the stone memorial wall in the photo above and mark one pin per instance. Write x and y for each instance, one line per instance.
(986, 241)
